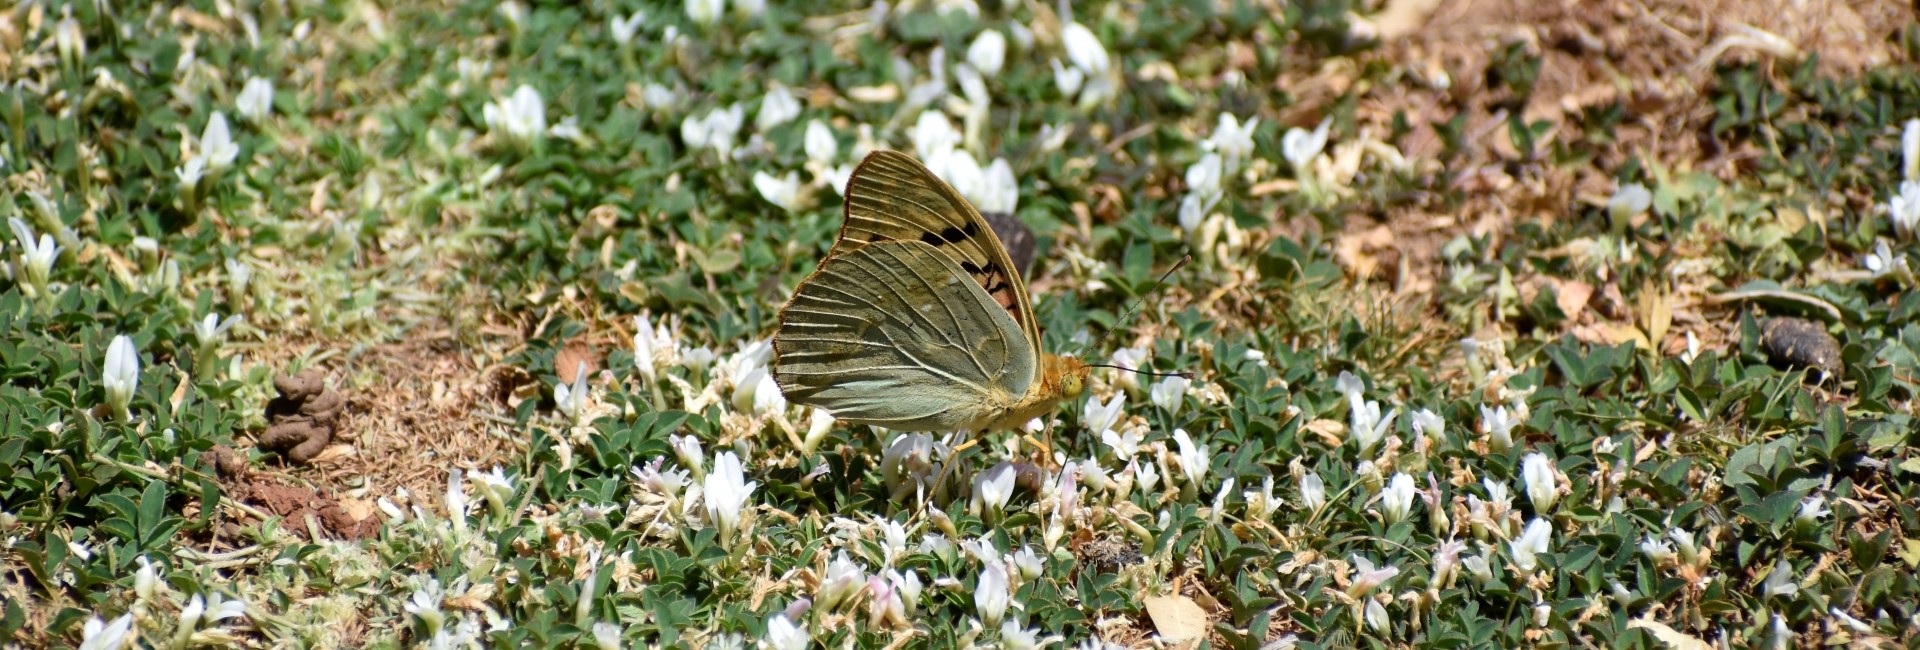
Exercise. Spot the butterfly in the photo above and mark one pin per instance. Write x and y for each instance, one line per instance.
(919, 319)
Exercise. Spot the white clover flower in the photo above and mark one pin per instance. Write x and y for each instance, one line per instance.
(782, 191)
(1220, 498)
(1910, 150)
(1376, 616)
(571, 399)
(211, 329)
(690, 453)
(1497, 492)
(1068, 79)
(746, 388)
(1656, 550)
(1193, 209)
(1428, 423)
(425, 604)
(606, 636)
(1194, 459)
(785, 634)
(1100, 418)
(191, 171)
(1261, 503)
(1812, 510)
(1779, 581)
(1170, 393)
(146, 580)
(496, 489)
(456, 502)
(1366, 578)
(1125, 445)
(659, 97)
(520, 118)
(705, 13)
(820, 145)
(1369, 427)
(1903, 208)
(749, 9)
(120, 376)
(239, 275)
(567, 129)
(101, 635)
(726, 494)
(1537, 472)
(622, 30)
(1301, 146)
(988, 53)
(1084, 49)
(1629, 200)
(1313, 492)
(767, 398)
(1233, 140)
(1856, 625)
(999, 190)
(36, 255)
(932, 135)
(837, 177)
(1446, 563)
(255, 102)
(1779, 636)
(1396, 502)
(1205, 176)
(993, 488)
(1480, 567)
(843, 581)
(217, 145)
(991, 594)
(1499, 425)
(819, 423)
(778, 107)
(1029, 563)
(1684, 540)
(716, 130)
(1534, 540)
(1146, 475)
(1883, 262)
(696, 358)
(646, 346)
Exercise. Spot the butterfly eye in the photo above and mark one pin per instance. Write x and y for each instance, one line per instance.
(1070, 386)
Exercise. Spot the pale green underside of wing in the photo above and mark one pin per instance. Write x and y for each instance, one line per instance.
(895, 334)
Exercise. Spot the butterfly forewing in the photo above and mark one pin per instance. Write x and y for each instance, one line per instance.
(892, 197)
(896, 334)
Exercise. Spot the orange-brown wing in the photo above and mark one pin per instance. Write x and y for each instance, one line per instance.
(892, 197)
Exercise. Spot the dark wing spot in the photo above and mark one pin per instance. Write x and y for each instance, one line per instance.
(932, 238)
(970, 267)
(954, 235)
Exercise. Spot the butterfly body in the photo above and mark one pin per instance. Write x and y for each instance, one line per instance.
(918, 320)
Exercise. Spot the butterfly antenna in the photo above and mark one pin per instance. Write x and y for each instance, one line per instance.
(1182, 374)
(1142, 300)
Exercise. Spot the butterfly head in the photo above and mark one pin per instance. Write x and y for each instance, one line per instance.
(1068, 375)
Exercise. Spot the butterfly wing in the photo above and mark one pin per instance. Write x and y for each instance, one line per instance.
(1016, 238)
(896, 334)
(892, 197)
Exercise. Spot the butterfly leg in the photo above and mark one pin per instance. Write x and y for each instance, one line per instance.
(953, 460)
(1045, 445)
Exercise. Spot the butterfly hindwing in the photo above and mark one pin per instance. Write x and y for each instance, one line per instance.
(892, 197)
(1016, 238)
(897, 334)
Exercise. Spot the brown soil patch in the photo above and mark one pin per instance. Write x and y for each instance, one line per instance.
(305, 512)
(1655, 58)
(418, 409)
